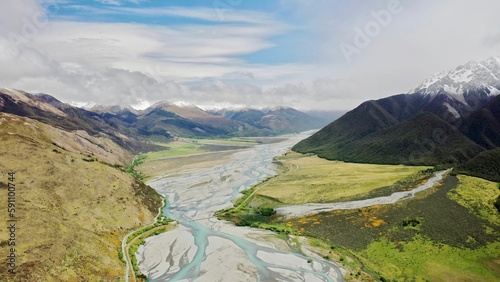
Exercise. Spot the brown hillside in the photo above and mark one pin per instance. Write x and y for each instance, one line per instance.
(73, 207)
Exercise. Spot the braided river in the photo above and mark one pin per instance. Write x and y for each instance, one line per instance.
(203, 248)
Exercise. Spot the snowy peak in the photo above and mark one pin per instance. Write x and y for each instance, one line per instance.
(170, 105)
(160, 104)
(277, 109)
(480, 77)
(184, 104)
(430, 81)
(225, 107)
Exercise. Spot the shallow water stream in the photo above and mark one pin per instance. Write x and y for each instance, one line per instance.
(203, 248)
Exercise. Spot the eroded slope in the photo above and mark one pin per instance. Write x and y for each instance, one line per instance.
(73, 205)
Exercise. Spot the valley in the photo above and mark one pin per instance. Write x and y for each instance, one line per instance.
(400, 188)
(197, 246)
(446, 233)
(408, 239)
(236, 141)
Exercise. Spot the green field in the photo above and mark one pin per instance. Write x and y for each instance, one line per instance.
(422, 260)
(190, 146)
(175, 148)
(479, 196)
(447, 233)
(189, 153)
(309, 179)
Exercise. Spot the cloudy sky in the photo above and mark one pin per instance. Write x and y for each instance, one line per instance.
(322, 54)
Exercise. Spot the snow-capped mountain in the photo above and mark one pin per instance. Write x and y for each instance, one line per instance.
(474, 77)
(224, 106)
(184, 104)
(451, 118)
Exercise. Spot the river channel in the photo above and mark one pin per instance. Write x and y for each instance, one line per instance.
(202, 248)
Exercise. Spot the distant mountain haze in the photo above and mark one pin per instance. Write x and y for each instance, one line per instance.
(49, 110)
(275, 120)
(130, 128)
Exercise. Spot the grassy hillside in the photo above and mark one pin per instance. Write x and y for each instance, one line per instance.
(483, 126)
(73, 206)
(422, 140)
(459, 244)
(485, 165)
(410, 129)
(368, 118)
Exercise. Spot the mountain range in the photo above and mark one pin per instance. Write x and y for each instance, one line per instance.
(452, 118)
(276, 120)
(132, 129)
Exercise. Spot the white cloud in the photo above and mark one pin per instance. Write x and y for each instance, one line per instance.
(109, 2)
(330, 87)
(492, 40)
(117, 62)
(118, 2)
(15, 15)
(138, 63)
(214, 14)
(424, 38)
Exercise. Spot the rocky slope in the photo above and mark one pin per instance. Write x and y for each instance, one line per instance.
(72, 202)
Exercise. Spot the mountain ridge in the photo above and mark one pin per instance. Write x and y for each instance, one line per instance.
(131, 128)
(277, 119)
(407, 128)
(49, 110)
(474, 76)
